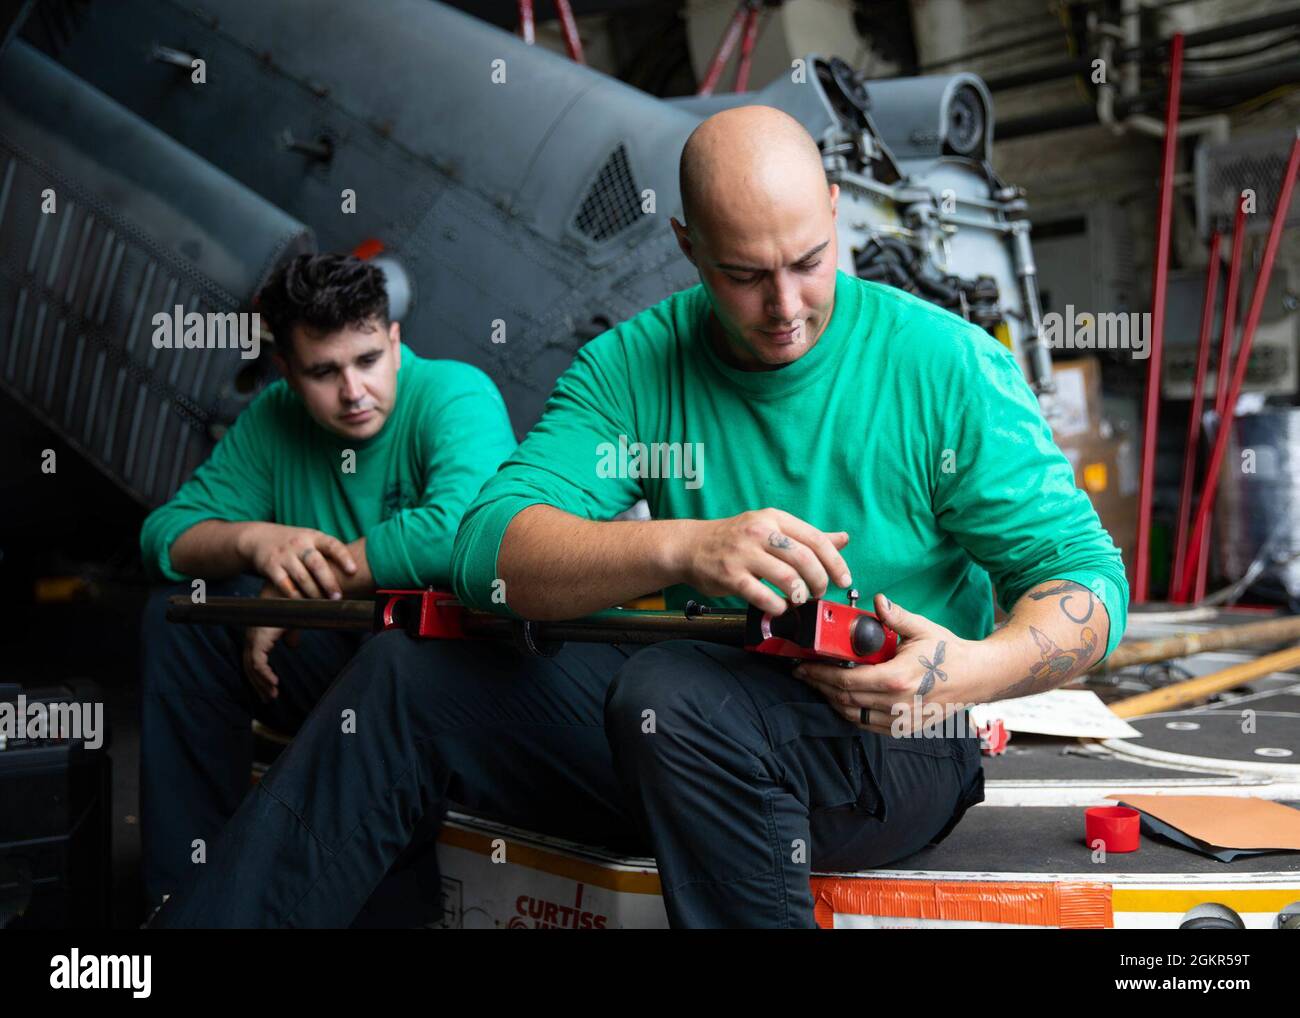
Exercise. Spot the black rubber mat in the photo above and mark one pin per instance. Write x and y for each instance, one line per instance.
(1223, 731)
(1050, 839)
(1043, 757)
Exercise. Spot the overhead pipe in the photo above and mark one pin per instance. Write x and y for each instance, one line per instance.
(1202, 37)
(994, 50)
(1252, 82)
(1217, 126)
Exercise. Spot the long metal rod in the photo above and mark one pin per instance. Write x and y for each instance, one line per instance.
(526, 21)
(1164, 221)
(1166, 648)
(613, 630)
(305, 613)
(1182, 693)
(1190, 448)
(1222, 374)
(723, 53)
(569, 26)
(1211, 485)
(747, 50)
(616, 625)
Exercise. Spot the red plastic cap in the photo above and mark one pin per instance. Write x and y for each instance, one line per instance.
(1116, 827)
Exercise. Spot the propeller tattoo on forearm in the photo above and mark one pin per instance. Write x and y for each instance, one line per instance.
(1056, 664)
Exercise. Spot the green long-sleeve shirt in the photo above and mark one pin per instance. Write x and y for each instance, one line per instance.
(448, 432)
(904, 425)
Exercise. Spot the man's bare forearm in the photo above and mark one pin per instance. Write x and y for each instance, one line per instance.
(559, 566)
(1056, 632)
(295, 561)
(213, 549)
(362, 582)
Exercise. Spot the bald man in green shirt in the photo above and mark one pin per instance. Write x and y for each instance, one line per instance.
(796, 431)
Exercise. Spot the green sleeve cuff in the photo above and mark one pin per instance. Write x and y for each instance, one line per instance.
(156, 542)
(383, 560)
(474, 556)
(165, 559)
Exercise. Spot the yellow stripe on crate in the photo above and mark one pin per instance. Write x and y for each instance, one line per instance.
(560, 865)
(1167, 900)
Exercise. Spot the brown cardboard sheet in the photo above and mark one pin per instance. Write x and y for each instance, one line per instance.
(1225, 821)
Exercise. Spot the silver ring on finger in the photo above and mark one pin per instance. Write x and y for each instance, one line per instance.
(304, 553)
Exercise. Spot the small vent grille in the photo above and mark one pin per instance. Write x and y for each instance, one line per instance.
(1223, 172)
(613, 203)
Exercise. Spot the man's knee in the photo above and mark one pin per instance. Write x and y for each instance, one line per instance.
(167, 649)
(401, 673)
(178, 658)
(670, 688)
(153, 620)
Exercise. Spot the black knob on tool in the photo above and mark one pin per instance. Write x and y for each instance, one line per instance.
(867, 636)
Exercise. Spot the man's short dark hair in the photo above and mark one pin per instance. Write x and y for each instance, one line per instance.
(323, 293)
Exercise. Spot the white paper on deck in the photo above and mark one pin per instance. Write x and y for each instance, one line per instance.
(1073, 713)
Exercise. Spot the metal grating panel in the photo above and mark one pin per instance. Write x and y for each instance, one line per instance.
(612, 203)
(76, 306)
(1224, 171)
(138, 225)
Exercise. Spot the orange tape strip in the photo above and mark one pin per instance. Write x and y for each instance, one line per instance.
(1056, 904)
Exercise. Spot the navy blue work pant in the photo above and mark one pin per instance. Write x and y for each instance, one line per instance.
(737, 777)
(196, 713)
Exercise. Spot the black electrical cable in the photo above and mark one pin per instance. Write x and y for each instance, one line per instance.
(1148, 5)
(1201, 37)
(1239, 86)
(1282, 40)
(994, 50)
(1167, 672)
(1232, 102)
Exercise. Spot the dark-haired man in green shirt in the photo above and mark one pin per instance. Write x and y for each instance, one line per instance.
(349, 473)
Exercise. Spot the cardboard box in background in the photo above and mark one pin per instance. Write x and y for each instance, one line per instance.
(1078, 397)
